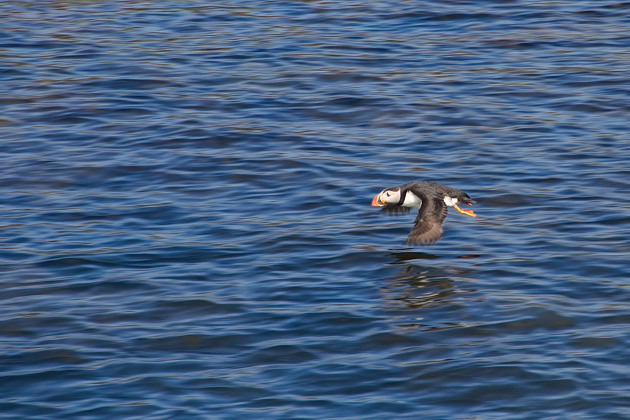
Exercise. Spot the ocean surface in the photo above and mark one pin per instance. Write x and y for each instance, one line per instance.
(185, 219)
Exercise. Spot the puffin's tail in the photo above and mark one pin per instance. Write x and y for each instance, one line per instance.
(464, 198)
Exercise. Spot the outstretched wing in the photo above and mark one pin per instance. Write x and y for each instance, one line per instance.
(428, 225)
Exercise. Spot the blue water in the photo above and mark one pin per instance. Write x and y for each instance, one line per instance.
(186, 229)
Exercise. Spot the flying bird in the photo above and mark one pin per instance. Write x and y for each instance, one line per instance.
(432, 201)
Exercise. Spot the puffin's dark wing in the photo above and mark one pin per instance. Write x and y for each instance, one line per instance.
(428, 227)
(396, 210)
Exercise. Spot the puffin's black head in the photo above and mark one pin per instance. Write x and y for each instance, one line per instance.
(387, 196)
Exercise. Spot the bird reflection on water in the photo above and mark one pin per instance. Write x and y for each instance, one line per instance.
(424, 285)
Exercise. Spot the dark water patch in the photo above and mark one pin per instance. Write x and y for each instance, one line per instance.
(128, 84)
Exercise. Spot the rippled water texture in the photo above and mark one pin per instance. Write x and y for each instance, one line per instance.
(186, 229)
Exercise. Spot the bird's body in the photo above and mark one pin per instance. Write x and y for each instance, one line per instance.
(432, 201)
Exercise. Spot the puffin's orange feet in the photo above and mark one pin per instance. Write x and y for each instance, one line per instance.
(468, 212)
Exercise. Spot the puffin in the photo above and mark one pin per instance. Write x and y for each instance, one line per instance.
(432, 201)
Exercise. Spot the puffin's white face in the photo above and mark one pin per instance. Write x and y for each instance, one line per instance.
(388, 196)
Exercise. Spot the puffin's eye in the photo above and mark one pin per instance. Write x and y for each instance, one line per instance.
(388, 193)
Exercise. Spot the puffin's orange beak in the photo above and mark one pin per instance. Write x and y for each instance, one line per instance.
(375, 201)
